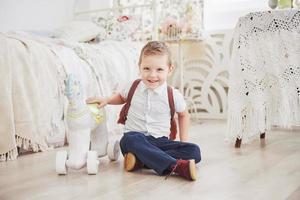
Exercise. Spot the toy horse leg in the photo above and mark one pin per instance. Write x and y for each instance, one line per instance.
(79, 143)
(99, 139)
(103, 145)
(113, 149)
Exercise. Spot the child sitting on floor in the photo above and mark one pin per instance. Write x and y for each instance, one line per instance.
(148, 117)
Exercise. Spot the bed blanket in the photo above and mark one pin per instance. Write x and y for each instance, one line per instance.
(33, 70)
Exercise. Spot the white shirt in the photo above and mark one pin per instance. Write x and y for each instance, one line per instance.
(149, 111)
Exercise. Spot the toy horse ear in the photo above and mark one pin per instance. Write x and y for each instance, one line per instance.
(64, 87)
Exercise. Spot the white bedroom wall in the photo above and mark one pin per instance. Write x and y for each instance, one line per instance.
(224, 14)
(36, 15)
(41, 15)
(46, 15)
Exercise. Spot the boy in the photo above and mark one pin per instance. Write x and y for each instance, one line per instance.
(147, 127)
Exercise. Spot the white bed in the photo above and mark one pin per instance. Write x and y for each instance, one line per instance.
(33, 70)
(100, 47)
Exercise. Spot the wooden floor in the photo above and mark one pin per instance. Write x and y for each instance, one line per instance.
(256, 171)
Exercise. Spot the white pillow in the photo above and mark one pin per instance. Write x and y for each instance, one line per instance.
(80, 31)
(119, 28)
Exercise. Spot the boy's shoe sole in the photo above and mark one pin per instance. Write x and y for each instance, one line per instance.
(129, 162)
(192, 167)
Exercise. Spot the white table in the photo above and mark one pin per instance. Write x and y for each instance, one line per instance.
(264, 86)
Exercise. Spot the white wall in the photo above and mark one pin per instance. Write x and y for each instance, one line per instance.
(41, 15)
(46, 15)
(37, 15)
(224, 14)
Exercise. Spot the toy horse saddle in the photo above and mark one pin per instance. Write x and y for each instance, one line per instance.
(97, 114)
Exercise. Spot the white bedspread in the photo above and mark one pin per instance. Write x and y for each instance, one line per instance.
(33, 71)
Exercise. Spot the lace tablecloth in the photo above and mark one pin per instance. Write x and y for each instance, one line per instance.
(264, 74)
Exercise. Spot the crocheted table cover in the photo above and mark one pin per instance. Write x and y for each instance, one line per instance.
(264, 74)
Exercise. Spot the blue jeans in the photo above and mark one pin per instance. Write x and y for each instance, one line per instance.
(158, 154)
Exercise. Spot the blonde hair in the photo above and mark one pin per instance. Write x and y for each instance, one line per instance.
(155, 48)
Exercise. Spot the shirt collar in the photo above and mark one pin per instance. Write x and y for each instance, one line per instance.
(159, 90)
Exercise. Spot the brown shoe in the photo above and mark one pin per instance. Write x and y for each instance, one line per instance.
(185, 169)
(131, 163)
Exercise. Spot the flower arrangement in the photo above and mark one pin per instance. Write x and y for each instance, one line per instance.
(171, 27)
(124, 18)
(181, 25)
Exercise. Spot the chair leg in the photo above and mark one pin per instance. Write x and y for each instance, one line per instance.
(262, 135)
(238, 143)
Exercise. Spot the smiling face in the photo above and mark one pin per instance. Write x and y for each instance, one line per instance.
(154, 70)
(155, 64)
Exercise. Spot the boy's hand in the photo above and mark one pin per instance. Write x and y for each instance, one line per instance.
(99, 100)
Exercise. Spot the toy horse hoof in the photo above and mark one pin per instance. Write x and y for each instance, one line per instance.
(92, 162)
(60, 162)
(113, 150)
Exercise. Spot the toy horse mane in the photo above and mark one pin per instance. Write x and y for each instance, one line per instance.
(74, 93)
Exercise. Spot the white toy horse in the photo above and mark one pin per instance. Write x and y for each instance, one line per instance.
(87, 134)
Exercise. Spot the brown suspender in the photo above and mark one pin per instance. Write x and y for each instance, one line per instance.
(125, 108)
(173, 129)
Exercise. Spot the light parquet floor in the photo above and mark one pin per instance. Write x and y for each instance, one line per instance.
(269, 170)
